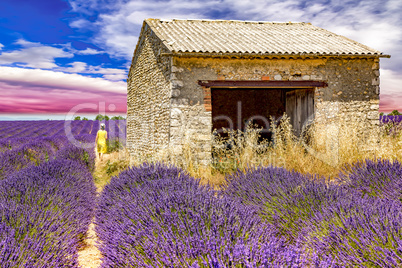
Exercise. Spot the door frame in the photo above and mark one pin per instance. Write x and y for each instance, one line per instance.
(208, 84)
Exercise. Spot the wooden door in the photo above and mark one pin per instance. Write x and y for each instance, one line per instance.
(300, 108)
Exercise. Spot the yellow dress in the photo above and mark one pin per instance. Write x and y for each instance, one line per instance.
(101, 141)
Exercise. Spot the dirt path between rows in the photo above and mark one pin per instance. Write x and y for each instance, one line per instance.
(90, 256)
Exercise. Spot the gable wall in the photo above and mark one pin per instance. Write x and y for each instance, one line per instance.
(148, 98)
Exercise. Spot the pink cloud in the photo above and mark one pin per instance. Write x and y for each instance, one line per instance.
(389, 103)
(38, 91)
(390, 91)
(56, 101)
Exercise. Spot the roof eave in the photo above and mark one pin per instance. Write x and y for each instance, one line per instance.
(270, 55)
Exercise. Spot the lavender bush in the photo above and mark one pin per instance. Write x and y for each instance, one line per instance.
(394, 119)
(45, 212)
(363, 229)
(358, 232)
(158, 216)
(381, 178)
(353, 222)
(30, 154)
(283, 198)
(85, 157)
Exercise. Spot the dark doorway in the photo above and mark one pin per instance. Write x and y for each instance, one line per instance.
(233, 108)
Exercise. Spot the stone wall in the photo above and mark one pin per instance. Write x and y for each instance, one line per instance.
(148, 97)
(353, 83)
(190, 132)
(352, 92)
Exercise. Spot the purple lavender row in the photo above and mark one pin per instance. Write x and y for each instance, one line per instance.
(283, 198)
(13, 128)
(353, 223)
(45, 212)
(31, 153)
(358, 232)
(28, 131)
(158, 216)
(395, 119)
(34, 129)
(40, 150)
(45, 205)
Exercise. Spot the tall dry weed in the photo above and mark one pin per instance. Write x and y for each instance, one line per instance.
(322, 149)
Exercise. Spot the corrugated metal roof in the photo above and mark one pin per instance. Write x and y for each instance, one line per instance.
(247, 37)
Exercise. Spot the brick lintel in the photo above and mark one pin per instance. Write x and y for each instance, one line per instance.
(262, 83)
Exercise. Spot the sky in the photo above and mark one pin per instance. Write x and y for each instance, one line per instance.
(62, 58)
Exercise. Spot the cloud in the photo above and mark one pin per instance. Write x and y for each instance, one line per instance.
(119, 28)
(115, 77)
(391, 93)
(89, 51)
(58, 80)
(80, 24)
(34, 55)
(76, 67)
(25, 43)
(43, 91)
(113, 74)
(59, 101)
(91, 7)
(1, 46)
(110, 73)
(39, 56)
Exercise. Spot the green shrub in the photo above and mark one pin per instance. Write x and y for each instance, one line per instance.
(113, 145)
(119, 117)
(100, 117)
(395, 112)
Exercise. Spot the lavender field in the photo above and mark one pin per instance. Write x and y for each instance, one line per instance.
(47, 193)
(157, 215)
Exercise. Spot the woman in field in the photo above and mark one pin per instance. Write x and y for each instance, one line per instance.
(100, 141)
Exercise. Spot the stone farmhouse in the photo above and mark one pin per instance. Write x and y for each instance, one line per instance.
(189, 77)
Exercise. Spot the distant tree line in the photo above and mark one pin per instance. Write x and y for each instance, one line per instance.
(394, 112)
(79, 118)
(101, 117)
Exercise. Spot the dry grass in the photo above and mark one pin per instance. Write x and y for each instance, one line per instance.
(111, 165)
(324, 149)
